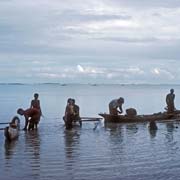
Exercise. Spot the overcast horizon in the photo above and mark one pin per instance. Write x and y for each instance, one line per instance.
(98, 41)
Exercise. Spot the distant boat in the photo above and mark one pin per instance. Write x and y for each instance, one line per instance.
(12, 131)
(63, 84)
(141, 118)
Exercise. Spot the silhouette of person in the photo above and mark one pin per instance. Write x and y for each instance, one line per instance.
(170, 101)
(32, 116)
(116, 104)
(69, 114)
(35, 103)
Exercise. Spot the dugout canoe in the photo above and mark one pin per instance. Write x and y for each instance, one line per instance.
(11, 132)
(140, 118)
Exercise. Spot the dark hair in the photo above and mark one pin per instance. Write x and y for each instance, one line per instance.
(73, 100)
(121, 100)
(69, 100)
(20, 111)
(36, 95)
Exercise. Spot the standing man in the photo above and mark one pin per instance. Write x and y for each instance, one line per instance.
(114, 105)
(35, 103)
(170, 101)
(69, 114)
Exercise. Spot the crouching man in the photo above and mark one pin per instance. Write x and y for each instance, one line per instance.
(32, 117)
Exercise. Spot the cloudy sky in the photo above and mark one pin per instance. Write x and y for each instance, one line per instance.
(83, 41)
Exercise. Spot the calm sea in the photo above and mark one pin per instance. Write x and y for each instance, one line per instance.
(114, 151)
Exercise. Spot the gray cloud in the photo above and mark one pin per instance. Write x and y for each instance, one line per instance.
(146, 3)
(106, 38)
(130, 40)
(85, 16)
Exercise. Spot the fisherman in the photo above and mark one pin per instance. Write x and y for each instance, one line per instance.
(35, 103)
(170, 101)
(76, 112)
(69, 114)
(32, 116)
(114, 105)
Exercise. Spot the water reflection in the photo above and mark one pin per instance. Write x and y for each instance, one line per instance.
(170, 127)
(71, 145)
(32, 141)
(131, 129)
(116, 132)
(9, 147)
(152, 127)
(153, 133)
(71, 138)
(32, 145)
(171, 142)
(114, 128)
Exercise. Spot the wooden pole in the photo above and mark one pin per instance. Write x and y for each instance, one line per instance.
(91, 117)
(84, 120)
(5, 123)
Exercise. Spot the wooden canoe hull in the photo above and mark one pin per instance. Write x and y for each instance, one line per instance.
(139, 118)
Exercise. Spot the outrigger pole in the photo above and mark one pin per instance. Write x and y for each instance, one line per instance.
(90, 118)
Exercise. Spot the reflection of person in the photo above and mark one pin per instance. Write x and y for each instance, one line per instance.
(9, 148)
(152, 125)
(71, 142)
(114, 105)
(32, 117)
(170, 101)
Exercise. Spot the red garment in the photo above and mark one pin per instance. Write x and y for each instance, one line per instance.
(32, 113)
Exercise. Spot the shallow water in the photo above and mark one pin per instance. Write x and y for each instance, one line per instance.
(112, 151)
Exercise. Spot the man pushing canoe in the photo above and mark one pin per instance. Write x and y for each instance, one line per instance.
(116, 104)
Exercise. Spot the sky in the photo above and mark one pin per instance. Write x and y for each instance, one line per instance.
(97, 41)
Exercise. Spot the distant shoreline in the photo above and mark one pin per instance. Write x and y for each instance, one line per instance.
(91, 84)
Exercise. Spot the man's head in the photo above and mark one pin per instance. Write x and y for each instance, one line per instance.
(36, 95)
(69, 100)
(73, 101)
(172, 91)
(20, 111)
(121, 100)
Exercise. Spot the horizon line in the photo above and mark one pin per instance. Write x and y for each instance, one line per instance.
(94, 84)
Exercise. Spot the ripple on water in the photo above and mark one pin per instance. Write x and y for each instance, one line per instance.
(111, 152)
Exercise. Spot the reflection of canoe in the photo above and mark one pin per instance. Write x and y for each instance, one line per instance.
(140, 118)
(12, 131)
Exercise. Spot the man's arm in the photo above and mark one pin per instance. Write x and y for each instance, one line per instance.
(167, 100)
(121, 110)
(174, 97)
(31, 104)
